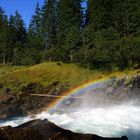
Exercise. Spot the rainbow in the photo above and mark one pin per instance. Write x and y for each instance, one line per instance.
(77, 89)
(89, 84)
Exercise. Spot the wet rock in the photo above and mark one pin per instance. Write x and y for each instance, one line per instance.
(136, 82)
(24, 102)
(124, 89)
(45, 130)
(9, 111)
(117, 90)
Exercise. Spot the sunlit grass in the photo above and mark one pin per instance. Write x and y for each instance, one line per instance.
(4, 69)
(49, 72)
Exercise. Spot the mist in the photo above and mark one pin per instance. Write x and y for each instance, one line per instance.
(103, 109)
(108, 109)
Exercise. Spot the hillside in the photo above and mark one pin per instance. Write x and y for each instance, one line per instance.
(47, 73)
(18, 85)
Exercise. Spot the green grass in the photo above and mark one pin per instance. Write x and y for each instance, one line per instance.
(49, 72)
(45, 73)
(4, 69)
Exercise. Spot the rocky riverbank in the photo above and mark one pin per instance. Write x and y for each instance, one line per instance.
(115, 91)
(23, 103)
(45, 130)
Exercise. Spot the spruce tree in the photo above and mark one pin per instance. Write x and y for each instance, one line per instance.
(44, 22)
(52, 22)
(20, 38)
(11, 38)
(3, 36)
(35, 35)
(70, 27)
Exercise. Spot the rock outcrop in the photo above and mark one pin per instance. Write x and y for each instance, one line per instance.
(22, 103)
(45, 130)
(115, 91)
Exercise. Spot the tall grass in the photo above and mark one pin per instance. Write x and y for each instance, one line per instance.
(49, 72)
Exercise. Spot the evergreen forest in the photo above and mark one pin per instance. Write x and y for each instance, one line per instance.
(104, 34)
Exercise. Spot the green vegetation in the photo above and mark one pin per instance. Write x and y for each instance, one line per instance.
(103, 35)
(47, 73)
(5, 69)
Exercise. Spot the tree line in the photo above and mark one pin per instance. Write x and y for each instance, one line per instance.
(105, 34)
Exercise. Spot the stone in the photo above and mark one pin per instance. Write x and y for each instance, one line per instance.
(45, 130)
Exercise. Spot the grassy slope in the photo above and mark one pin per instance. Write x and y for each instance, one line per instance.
(47, 73)
(4, 69)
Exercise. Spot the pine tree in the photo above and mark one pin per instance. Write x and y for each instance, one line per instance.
(3, 36)
(44, 22)
(99, 14)
(34, 30)
(126, 16)
(20, 28)
(36, 35)
(52, 22)
(70, 26)
(20, 39)
(70, 15)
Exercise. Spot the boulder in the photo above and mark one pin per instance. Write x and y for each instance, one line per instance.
(9, 111)
(17, 104)
(45, 130)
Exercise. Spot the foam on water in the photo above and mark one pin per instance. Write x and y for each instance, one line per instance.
(113, 121)
(15, 121)
(110, 121)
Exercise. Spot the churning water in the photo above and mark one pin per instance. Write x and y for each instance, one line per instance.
(112, 121)
(93, 114)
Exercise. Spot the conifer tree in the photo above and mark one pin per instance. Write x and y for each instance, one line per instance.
(3, 36)
(20, 36)
(35, 36)
(52, 22)
(70, 26)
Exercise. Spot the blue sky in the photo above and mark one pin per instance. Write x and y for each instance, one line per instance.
(25, 7)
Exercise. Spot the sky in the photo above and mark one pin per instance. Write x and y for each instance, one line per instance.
(25, 7)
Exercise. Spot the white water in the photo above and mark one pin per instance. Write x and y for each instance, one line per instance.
(113, 121)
